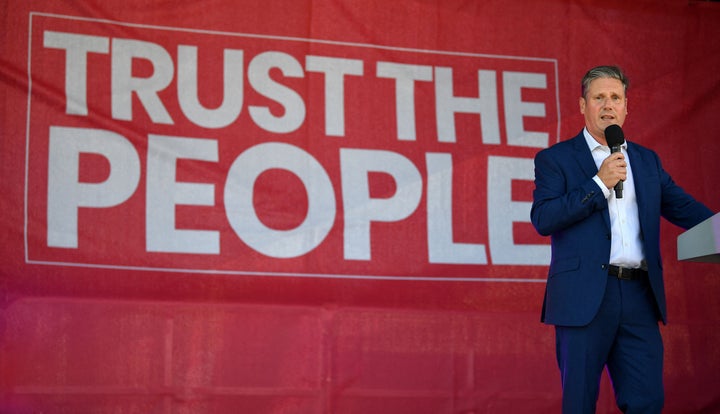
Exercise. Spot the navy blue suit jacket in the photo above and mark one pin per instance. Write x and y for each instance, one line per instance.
(570, 207)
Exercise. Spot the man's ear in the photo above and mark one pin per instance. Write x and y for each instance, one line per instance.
(582, 105)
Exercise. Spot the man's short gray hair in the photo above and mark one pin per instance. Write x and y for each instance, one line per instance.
(612, 72)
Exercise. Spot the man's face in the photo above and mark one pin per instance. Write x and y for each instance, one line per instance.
(604, 104)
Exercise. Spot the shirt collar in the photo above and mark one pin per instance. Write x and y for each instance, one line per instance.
(593, 144)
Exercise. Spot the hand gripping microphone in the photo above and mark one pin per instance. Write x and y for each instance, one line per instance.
(615, 138)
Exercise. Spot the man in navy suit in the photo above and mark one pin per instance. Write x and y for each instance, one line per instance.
(605, 292)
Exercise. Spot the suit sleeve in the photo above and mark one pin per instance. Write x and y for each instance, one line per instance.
(563, 195)
(677, 206)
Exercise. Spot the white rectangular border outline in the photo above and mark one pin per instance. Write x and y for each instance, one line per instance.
(255, 273)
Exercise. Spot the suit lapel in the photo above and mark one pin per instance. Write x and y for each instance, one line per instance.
(643, 186)
(585, 159)
(639, 170)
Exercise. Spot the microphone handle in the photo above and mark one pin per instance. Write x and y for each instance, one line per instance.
(619, 185)
(618, 189)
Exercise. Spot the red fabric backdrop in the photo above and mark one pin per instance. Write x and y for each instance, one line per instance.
(321, 206)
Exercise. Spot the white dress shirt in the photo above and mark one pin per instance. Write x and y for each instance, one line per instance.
(626, 248)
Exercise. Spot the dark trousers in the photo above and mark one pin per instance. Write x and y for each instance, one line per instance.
(625, 338)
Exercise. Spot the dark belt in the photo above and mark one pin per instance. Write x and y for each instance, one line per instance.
(627, 273)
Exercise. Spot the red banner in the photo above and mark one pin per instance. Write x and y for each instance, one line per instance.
(252, 154)
(320, 206)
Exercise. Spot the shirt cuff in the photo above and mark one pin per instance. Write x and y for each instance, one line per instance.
(605, 190)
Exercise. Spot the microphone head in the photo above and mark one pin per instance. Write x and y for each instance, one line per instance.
(614, 136)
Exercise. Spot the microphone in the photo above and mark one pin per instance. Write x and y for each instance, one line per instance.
(615, 138)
